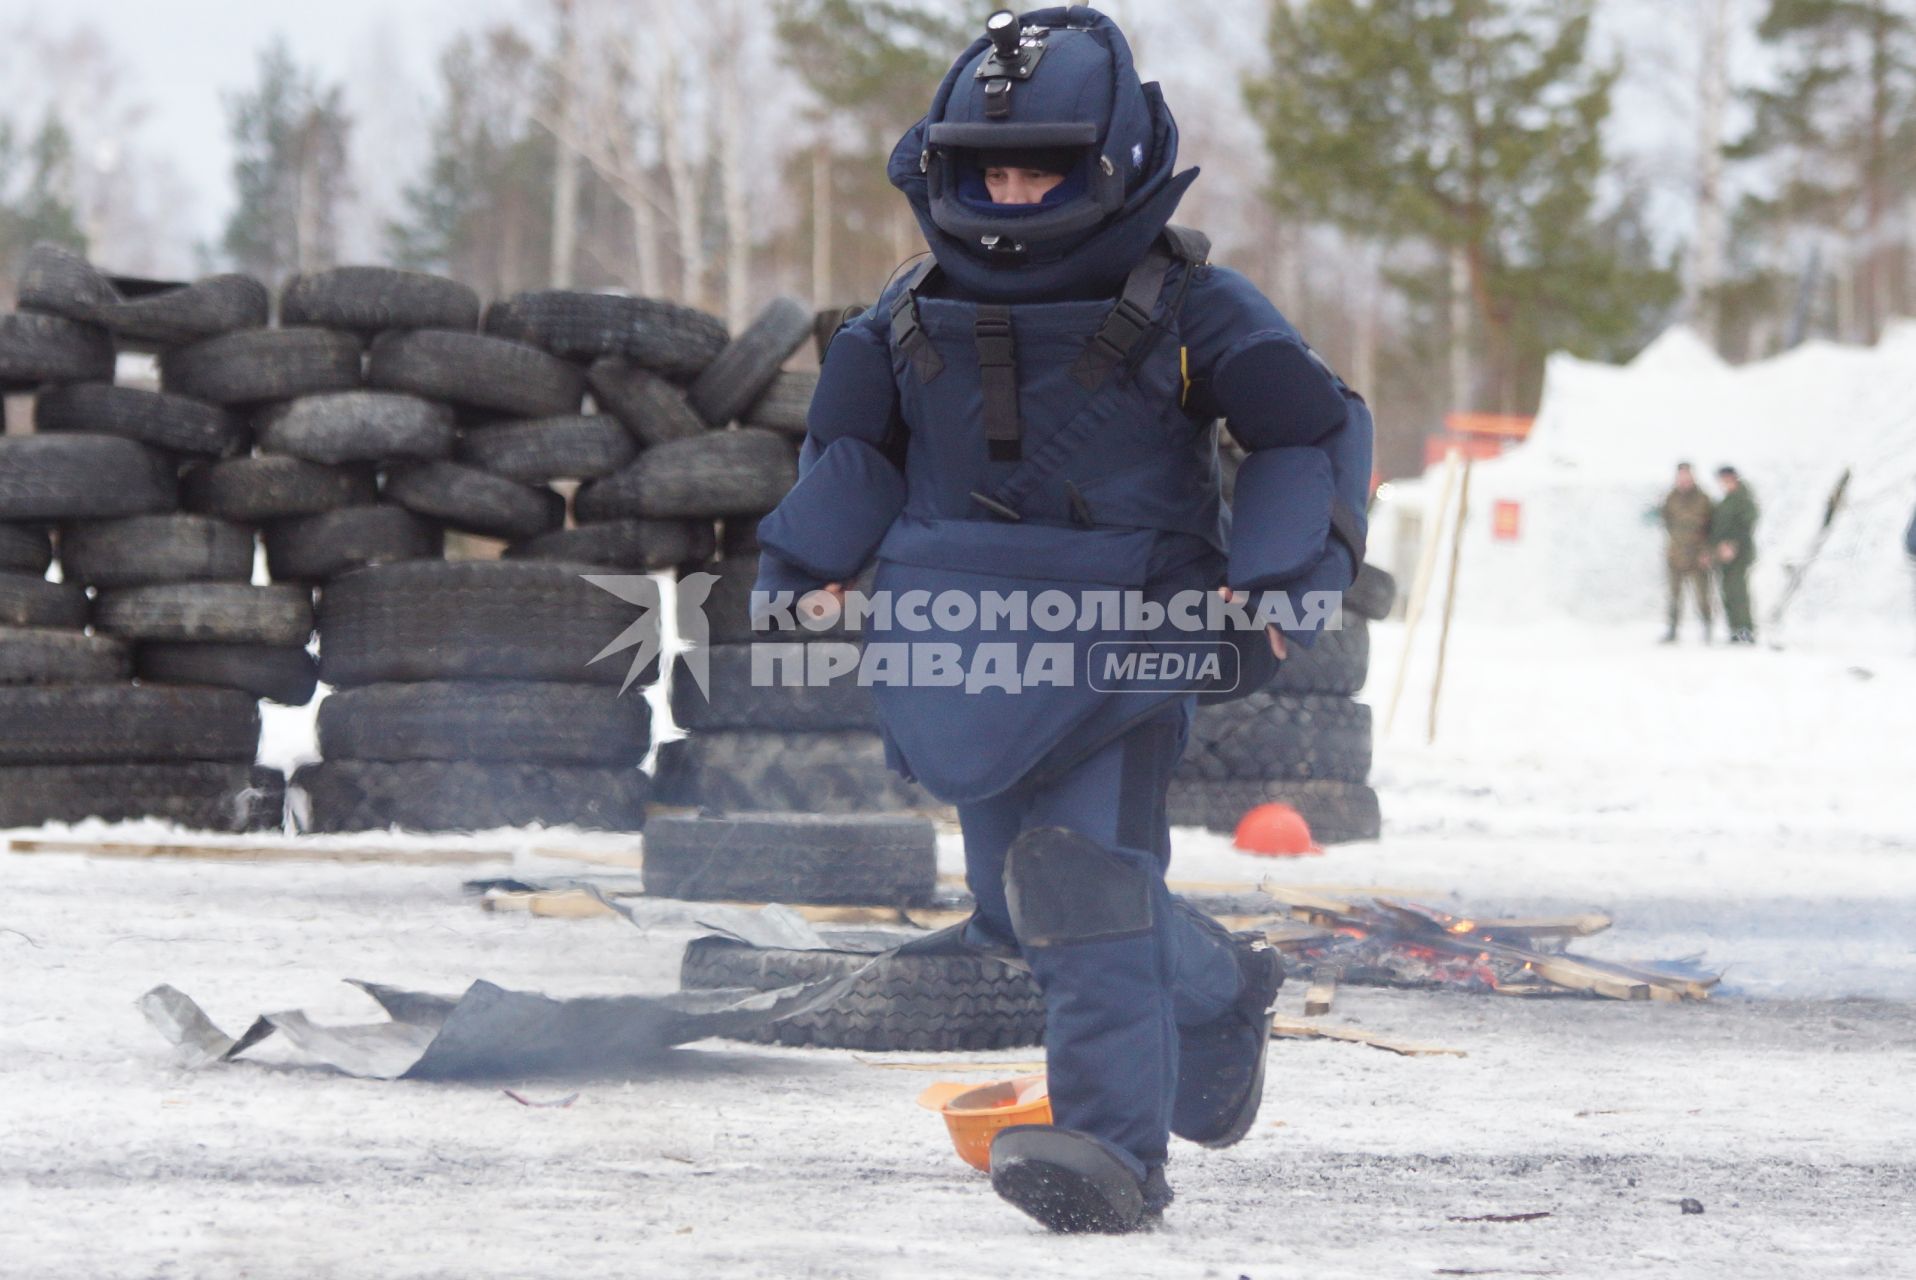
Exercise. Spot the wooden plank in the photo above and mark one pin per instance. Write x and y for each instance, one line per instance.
(577, 904)
(1289, 1029)
(1517, 928)
(633, 858)
(1304, 900)
(1323, 990)
(290, 852)
(556, 904)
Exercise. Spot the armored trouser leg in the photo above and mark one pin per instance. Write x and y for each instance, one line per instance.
(1674, 577)
(1080, 864)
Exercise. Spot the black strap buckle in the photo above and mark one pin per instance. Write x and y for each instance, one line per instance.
(994, 342)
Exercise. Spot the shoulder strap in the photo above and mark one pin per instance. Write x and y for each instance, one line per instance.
(1188, 244)
(906, 333)
(1130, 316)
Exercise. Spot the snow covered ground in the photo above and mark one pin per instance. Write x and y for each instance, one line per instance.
(1751, 805)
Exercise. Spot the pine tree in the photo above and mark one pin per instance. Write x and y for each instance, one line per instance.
(34, 182)
(1835, 130)
(290, 138)
(1472, 128)
(482, 210)
(872, 66)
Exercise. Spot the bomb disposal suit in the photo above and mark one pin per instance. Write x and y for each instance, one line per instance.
(1032, 410)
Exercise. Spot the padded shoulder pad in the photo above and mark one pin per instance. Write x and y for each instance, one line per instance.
(1187, 244)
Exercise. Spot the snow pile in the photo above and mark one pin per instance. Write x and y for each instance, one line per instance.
(1592, 475)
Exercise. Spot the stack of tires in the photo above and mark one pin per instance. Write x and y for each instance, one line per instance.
(168, 594)
(1304, 740)
(719, 423)
(465, 696)
(782, 736)
(669, 375)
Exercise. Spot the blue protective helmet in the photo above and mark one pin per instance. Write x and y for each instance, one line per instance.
(1057, 82)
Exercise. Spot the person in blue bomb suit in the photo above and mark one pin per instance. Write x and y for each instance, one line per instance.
(1033, 410)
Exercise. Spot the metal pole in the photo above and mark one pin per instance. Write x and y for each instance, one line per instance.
(1450, 599)
(1420, 586)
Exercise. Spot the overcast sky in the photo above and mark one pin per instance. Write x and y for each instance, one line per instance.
(182, 57)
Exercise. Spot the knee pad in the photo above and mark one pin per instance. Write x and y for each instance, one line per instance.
(1064, 887)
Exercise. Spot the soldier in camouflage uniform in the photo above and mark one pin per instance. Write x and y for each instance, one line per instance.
(1686, 520)
(1733, 533)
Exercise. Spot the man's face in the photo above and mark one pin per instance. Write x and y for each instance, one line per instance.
(1685, 480)
(1008, 185)
(1727, 481)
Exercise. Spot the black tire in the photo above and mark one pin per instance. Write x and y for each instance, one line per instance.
(640, 545)
(258, 365)
(140, 550)
(225, 612)
(737, 703)
(82, 477)
(174, 423)
(1373, 593)
(255, 490)
(175, 315)
(42, 655)
(36, 350)
(475, 501)
(746, 367)
(676, 341)
(198, 795)
(650, 407)
(487, 619)
(29, 600)
(516, 721)
(721, 473)
(25, 549)
(56, 280)
(286, 674)
(1337, 664)
(431, 795)
(1335, 811)
(866, 859)
(100, 722)
(144, 314)
(321, 547)
(738, 536)
(472, 369)
(540, 450)
(833, 771)
(923, 1003)
(784, 404)
(372, 299)
(358, 426)
(727, 606)
(1281, 737)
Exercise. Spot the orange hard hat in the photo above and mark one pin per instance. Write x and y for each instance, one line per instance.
(1275, 830)
(974, 1113)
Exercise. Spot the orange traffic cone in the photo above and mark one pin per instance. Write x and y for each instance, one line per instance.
(1277, 831)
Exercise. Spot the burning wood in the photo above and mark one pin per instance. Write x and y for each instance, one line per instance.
(1385, 942)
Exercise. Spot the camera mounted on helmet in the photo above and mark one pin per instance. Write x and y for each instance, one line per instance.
(1006, 113)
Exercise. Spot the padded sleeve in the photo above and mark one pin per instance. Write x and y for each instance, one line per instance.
(856, 398)
(1252, 367)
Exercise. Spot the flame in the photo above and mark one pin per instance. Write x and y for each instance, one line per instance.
(1463, 926)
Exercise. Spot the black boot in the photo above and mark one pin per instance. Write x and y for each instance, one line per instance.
(1221, 1064)
(1072, 1182)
